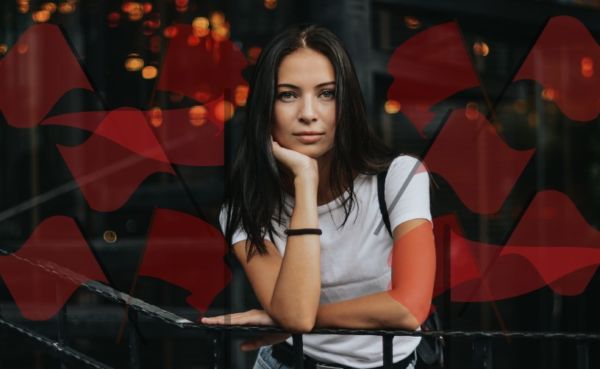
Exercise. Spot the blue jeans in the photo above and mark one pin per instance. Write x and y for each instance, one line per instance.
(264, 360)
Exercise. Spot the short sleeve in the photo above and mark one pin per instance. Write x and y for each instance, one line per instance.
(238, 235)
(407, 190)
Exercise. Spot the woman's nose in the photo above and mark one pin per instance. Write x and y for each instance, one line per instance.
(308, 112)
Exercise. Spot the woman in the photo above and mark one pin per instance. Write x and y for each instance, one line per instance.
(302, 211)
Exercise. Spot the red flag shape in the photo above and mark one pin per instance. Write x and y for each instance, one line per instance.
(552, 245)
(112, 163)
(187, 252)
(39, 69)
(57, 244)
(475, 161)
(428, 68)
(566, 61)
(203, 69)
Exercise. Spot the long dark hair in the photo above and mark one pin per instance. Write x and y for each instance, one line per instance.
(255, 187)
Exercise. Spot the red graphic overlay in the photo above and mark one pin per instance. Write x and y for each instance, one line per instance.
(108, 173)
(413, 266)
(188, 252)
(58, 245)
(428, 68)
(475, 161)
(552, 245)
(565, 60)
(39, 69)
(201, 68)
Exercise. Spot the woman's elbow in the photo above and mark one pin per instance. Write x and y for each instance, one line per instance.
(299, 325)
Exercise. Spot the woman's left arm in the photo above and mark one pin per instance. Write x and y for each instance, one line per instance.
(406, 305)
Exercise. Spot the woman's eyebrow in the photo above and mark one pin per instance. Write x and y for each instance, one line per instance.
(289, 85)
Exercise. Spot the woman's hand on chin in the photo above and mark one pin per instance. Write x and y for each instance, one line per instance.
(298, 163)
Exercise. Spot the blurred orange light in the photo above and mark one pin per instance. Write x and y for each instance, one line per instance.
(134, 63)
(147, 7)
(587, 67)
(156, 117)
(200, 22)
(549, 94)
(270, 4)
(481, 48)
(253, 54)
(217, 19)
(23, 7)
(149, 72)
(224, 111)
(66, 8)
(170, 32)
(51, 7)
(3, 49)
(109, 236)
(22, 48)
(220, 33)
(240, 96)
(392, 106)
(135, 11)
(412, 22)
(192, 40)
(181, 5)
(472, 111)
(203, 94)
(41, 16)
(197, 115)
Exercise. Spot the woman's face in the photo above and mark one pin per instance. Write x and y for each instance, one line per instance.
(304, 111)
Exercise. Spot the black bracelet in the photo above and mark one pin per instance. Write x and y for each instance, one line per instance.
(302, 231)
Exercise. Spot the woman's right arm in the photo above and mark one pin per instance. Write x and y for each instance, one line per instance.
(289, 286)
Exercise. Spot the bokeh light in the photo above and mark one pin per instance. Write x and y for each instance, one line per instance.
(197, 115)
(270, 4)
(156, 117)
(3, 49)
(472, 111)
(149, 72)
(481, 48)
(549, 94)
(587, 67)
(170, 32)
(134, 62)
(224, 110)
(41, 16)
(240, 95)
(392, 106)
(412, 22)
(51, 7)
(109, 236)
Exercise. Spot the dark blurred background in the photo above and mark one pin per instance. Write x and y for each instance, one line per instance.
(121, 45)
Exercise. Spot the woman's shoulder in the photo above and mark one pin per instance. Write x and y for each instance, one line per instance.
(406, 164)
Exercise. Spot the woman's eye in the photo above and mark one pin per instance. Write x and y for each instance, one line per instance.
(328, 94)
(286, 95)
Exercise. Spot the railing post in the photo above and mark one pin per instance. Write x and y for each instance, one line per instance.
(388, 351)
(583, 355)
(298, 351)
(62, 330)
(219, 343)
(482, 353)
(134, 355)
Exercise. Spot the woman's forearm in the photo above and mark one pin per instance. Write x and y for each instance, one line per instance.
(375, 311)
(297, 291)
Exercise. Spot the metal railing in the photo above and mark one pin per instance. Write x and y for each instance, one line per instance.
(483, 347)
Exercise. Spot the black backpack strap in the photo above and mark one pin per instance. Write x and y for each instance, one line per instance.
(382, 206)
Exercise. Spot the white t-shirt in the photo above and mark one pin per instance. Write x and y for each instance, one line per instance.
(354, 260)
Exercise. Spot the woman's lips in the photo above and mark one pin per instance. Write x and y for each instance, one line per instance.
(309, 138)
